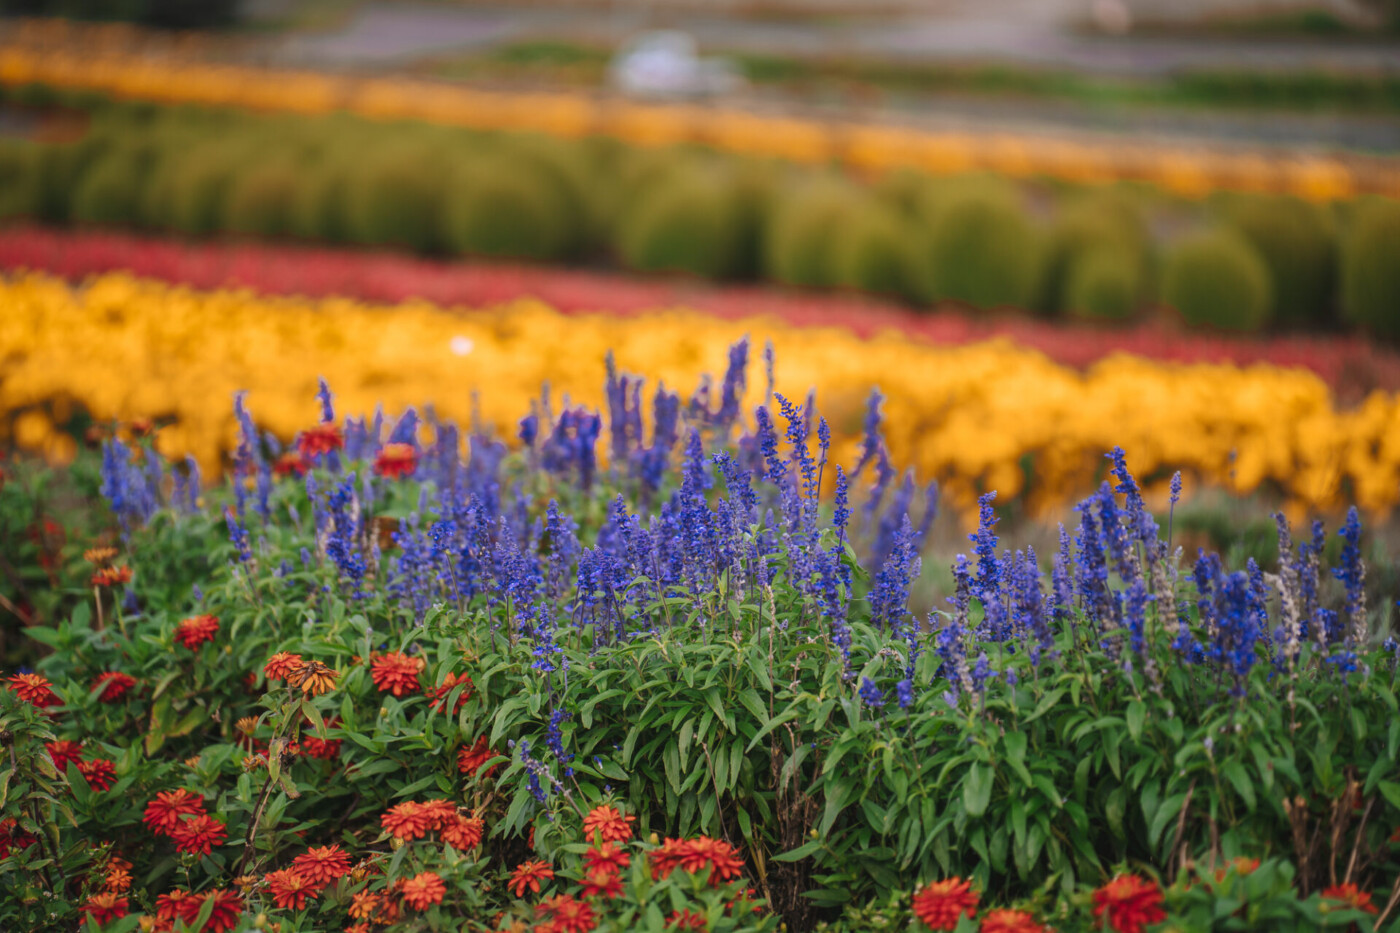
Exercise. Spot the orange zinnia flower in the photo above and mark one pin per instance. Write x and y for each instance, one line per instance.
(114, 686)
(111, 576)
(529, 875)
(321, 439)
(1130, 902)
(63, 751)
(321, 866)
(35, 690)
(610, 824)
(408, 820)
(199, 834)
(396, 672)
(1351, 896)
(607, 856)
(695, 855)
(602, 882)
(100, 556)
(396, 460)
(1009, 921)
(196, 630)
(116, 879)
(99, 773)
(1242, 866)
(423, 890)
(314, 678)
(438, 695)
(178, 905)
(567, 915)
(105, 907)
(471, 760)
(289, 890)
(282, 664)
(463, 833)
(939, 905)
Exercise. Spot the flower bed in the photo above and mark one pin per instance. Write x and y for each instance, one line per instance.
(1350, 364)
(679, 692)
(975, 417)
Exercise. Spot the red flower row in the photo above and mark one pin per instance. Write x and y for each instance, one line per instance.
(390, 277)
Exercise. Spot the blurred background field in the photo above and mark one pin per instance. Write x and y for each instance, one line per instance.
(1179, 222)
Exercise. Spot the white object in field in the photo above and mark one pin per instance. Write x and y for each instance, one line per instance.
(667, 63)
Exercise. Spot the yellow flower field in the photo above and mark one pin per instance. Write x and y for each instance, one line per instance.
(1186, 171)
(966, 415)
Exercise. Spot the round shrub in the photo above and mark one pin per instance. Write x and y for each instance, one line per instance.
(1103, 282)
(18, 178)
(1295, 240)
(259, 199)
(109, 191)
(317, 209)
(1217, 278)
(507, 207)
(980, 249)
(1370, 269)
(394, 199)
(60, 167)
(688, 223)
(1103, 219)
(871, 251)
(799, 244)
(191, 190)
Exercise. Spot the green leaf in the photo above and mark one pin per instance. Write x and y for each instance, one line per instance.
(977, 789)
(1137, 713)
(1164, 815)
(1240, 778)
(800, 852)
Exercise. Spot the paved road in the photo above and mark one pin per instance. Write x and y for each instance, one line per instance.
(1034, 32)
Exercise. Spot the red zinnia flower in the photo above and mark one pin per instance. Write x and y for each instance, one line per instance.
(529, 875)
(114, 686)
(199, 834)
(567, 915)
(105, 907)
(321, 439)
(408, 820)
(13, 837)
(281, 664)
(1009, 921)
(687, 920)
(291, 463)
(328, 749)
(228, 907)
(111, 576)
(695, 855)
(289, 890)
(611, 825)
(608, 857)
(423, 890)
(35, 690)
(196, 630)
(164, 813)
(602, 882)
(940, 904)
(395, 672)
(1351, 896)
(178, 905)
(62, 751)
(439, 694)
(396, 460)
(463, 833)
(471, 760)
(321, 866)
(99, 773)
(1130, 902)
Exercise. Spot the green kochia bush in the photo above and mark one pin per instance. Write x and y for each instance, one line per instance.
(692, 221)
(1295, 241)
(1096, 258)
(647, 637)
(979, 249)
(1217, 279)
(1371, 270)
